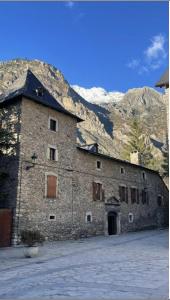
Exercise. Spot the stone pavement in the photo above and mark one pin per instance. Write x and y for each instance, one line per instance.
(129, 266)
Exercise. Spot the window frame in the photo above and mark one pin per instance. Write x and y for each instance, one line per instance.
(136, 195)
(130, 215)
(144, 176)
(122, 169)
(101, 190)
(48, 152)
(99, 169)
(46, 183)
(126, 199)
(89, 213)
(49, 123)
(52, 220)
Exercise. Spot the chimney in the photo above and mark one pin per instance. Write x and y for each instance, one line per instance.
(135, 158)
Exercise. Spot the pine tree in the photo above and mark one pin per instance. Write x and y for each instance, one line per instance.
(139, 142)
(165, 164)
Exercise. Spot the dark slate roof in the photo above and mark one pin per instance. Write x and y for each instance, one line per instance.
(164, 80)
(116, 159)
(27, 86)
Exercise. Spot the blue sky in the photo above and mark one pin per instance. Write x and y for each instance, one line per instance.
(114, 45)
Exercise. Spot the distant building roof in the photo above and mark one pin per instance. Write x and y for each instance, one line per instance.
(164, 80)
(30, 87)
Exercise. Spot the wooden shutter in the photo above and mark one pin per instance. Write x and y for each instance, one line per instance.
(103, 195)
(51, 186)
(94, 190)
(137, 196)
(97, 191)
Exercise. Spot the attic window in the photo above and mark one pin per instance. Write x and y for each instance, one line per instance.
(144, 175)
(39, 92)
(122, 170)
(98, 164)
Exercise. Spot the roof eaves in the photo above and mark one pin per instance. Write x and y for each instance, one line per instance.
(117, 160)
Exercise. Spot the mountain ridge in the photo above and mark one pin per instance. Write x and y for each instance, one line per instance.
(106, 123)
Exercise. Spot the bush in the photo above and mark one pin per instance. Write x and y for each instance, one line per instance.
(31, 237)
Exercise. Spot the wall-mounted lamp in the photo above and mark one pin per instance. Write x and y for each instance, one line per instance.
(33, 160)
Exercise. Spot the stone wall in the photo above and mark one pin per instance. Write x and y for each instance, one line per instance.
(76, 171)
(145, 215)
(35, 208)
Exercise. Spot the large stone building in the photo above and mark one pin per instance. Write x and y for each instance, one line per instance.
(64, 190)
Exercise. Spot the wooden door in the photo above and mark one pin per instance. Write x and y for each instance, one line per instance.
(5, 227)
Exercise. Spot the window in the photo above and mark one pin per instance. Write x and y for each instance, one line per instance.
(88, 217)
(51, 186)
(52, 153)
(40, 91)
(98, 193)
(123, 193)
(144, 175)
(98, 164)
(122, 170)
(145, 197)
(53, 124)
(52, 217)
(134, 195)
(130, 217)
(159, 200)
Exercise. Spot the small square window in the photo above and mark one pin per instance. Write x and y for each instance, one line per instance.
(53, 125)
(52, 153)
(88, 217)
(52, 217)
(98, 164)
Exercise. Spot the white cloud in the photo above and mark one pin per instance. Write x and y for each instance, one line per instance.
(153, 57)
(156, 49)
(98, 95)
(69, 4)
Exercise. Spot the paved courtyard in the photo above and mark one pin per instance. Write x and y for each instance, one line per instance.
(129, 266)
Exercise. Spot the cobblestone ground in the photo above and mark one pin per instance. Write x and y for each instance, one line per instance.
(129, 266)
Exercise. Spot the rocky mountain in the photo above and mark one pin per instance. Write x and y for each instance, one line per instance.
(107, 123)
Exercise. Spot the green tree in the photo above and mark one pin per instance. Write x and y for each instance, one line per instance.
(139, 142)
(7, 148)
(165, 164)
(7, 141)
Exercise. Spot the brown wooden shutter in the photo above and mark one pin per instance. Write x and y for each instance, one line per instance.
(94, 190)
(51, 186)
(103, 195)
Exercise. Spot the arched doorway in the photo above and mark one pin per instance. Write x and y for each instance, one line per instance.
(112, 223)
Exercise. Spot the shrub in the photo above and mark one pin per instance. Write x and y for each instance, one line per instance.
(31, 237)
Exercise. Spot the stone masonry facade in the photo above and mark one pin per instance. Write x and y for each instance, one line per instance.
(74, 212)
